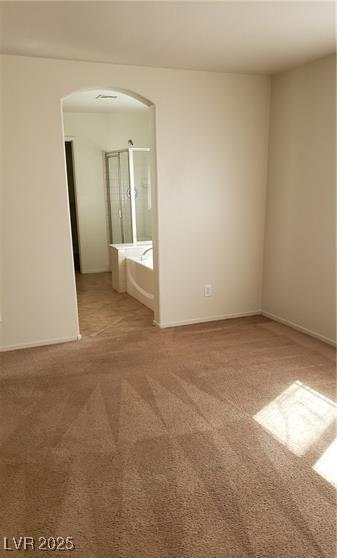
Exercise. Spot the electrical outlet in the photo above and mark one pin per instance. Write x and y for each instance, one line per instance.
(208, 290)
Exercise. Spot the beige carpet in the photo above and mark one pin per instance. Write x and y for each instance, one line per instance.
(142, 443)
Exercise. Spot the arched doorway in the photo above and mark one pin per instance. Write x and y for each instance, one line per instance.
(109, 141)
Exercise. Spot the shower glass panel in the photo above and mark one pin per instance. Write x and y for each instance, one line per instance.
(129, 195)
(125, 198)
(114, 204)
(141, 166)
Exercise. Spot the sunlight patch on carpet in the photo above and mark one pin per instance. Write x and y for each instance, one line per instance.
(326, 465)
(298, 417)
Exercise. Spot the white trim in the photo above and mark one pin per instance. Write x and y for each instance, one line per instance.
(44, 343)
(208, 319)
(299, 328)
(127, 149)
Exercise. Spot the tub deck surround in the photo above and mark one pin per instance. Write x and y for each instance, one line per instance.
(140, 280)
(118, 255)
(141, 442)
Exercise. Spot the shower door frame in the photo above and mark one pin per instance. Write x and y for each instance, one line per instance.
(117, 156)
(132, 188)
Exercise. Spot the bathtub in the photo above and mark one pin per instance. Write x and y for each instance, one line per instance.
(139, 279)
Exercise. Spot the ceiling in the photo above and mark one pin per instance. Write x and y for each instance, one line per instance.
(254, 37)
(87, 101)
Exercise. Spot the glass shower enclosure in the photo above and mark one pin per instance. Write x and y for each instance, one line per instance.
(128, 177)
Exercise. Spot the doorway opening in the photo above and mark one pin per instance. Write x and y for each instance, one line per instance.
(110, 161)
(68, 146)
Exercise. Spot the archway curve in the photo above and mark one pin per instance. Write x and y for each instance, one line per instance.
(128, 92)
(155, 225)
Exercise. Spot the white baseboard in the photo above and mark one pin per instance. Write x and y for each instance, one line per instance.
(40, 343)
(207, 319)
(299, 328)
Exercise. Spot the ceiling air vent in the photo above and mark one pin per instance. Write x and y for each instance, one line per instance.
(106, 97)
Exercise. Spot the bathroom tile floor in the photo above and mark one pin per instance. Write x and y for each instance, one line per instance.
(211, 440)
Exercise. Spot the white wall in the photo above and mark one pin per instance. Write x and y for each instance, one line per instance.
(300, 249)
(95, 133)
(212, 136)
(1, 193)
